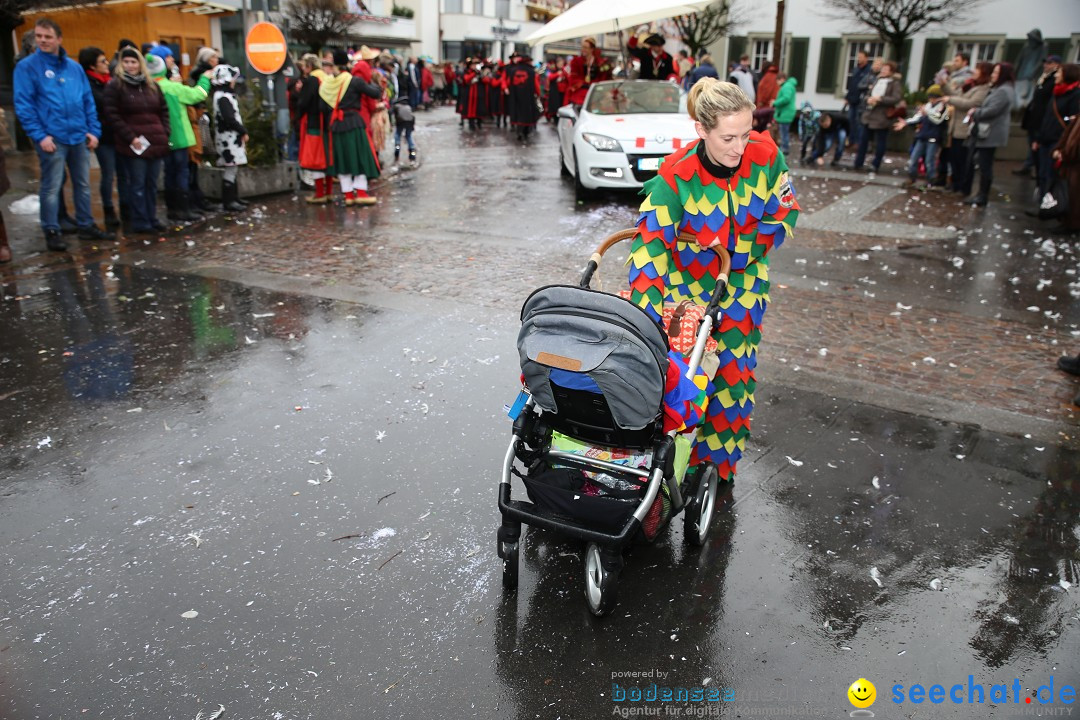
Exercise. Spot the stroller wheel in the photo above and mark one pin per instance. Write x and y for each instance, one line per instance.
(699, 514)
(601, 582)
(509, 554)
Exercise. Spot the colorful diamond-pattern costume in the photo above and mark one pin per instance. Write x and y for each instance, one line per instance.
(749, 214)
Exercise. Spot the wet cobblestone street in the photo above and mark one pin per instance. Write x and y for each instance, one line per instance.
(950, 310)
(252, 463)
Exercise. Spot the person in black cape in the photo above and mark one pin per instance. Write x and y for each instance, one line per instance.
(522, 91)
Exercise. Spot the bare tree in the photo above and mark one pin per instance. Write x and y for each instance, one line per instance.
(701, 29)
(897, 20)
(314, 22)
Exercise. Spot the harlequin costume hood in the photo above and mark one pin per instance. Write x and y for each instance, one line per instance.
(749, 213)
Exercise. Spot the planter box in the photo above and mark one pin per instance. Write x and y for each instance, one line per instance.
(252, 181)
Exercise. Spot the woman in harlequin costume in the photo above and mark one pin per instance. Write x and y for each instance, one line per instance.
(730, 189)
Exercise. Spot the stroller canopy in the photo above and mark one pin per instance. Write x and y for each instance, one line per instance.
(609, 339)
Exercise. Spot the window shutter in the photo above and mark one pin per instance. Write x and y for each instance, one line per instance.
(905, 60)
(933, 58)
(736, 46)
(828, 64)
(800, 48)
(1058, 46)
(1012, 51)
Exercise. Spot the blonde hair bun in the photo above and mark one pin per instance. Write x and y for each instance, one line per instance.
(710, 99)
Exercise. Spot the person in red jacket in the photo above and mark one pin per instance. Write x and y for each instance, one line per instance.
(585, 69)
(427, 80)
(767, 88)
(470, 95)
(371, 107)
(451, 80)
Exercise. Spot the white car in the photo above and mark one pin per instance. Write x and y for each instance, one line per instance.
(624, 129)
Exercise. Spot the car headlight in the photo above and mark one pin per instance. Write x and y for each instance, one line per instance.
(602, 142)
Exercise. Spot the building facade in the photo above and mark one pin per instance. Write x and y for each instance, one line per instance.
(487, 28)
(820, 52)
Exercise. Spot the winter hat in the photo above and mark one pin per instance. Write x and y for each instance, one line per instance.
(130, 52)
(203, 56)
(162, 51)
(934, 91)
(341, 58)
(155, 66)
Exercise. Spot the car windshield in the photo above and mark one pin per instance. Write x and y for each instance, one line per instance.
(649, 96)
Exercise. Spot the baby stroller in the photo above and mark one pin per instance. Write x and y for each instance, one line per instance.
(595, 367)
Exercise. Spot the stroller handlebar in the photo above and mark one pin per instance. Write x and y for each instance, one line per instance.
(629, 233)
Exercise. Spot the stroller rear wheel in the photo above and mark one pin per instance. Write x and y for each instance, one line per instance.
(699, 513)
(601, 580)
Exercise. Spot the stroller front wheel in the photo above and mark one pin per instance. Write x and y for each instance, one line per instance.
(601, 581)
(699, 514)
(509, 553)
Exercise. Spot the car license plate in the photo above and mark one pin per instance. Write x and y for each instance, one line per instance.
(648, 163)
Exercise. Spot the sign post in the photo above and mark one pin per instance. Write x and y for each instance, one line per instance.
(266, 53)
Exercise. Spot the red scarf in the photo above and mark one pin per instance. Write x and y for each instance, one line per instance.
(1062, 88)
(98, 76)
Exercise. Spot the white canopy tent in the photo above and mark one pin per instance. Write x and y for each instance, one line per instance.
(594, 17)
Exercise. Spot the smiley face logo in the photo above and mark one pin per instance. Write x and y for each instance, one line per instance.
(862, 693)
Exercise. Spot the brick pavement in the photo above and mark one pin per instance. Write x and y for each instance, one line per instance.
(922, 348)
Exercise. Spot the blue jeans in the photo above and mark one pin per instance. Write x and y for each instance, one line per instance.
(881, 137)
(292, 148)
(825, 140)
(854, 124)
(928, 152)
(398, 130)
(176, 170)
(785, 137)
(142, 175)
(1044, 169)
(77, 159)
(106, 157)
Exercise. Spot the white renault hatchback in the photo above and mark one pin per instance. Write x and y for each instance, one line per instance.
(624, 129)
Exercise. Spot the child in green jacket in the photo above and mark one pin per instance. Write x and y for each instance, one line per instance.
(181, 137)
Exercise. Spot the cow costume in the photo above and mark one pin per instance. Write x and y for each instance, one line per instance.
(230, 135)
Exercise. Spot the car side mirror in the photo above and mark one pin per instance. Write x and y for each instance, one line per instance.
(568, 112)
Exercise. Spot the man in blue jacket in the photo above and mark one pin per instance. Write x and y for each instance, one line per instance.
(853, 96)
(55, 105)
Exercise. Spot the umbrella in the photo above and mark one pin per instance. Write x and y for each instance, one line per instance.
(593, 17)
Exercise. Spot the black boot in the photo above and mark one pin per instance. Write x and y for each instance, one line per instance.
(55, 241)
(397, 152)
(172, 212)
(229, 197)
(111, 221)
(93, 232)
(187, 208)
(412, 157)
(1069, 364)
